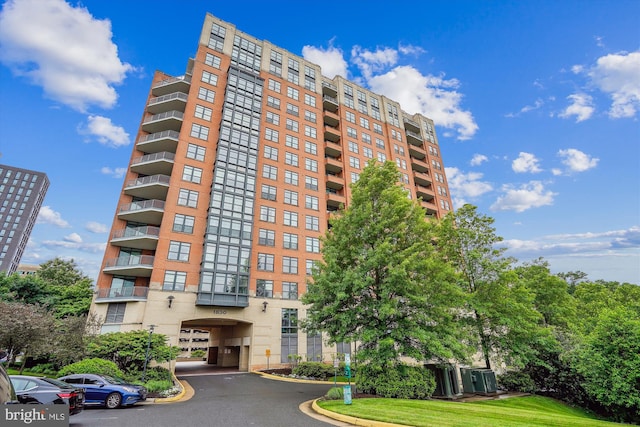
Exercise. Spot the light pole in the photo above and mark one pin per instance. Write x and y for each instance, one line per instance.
(146, 355)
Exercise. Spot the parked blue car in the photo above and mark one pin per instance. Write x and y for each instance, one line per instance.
(104, 390)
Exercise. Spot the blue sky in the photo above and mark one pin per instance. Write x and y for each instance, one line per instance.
(536, 105)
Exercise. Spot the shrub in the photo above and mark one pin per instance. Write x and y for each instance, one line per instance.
(92, 366)
(157, 373)
(45, 369)
(313, 370)
(156, 386)
(335, 393)
(517, 381)
(396, 381)
(196, 354)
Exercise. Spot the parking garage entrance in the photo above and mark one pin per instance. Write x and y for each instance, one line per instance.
(223, 344)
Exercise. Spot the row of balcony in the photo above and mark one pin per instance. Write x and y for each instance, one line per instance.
(122, 293)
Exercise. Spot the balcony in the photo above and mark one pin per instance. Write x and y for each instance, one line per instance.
(146, 212)
(331, 134)
(335, 200)
(331, 119)
(174, 84)
(410, 125)
(333, 165)
(417, 152)
(154, 164)
(425, 193)
(419, 165)
(431, 208)
(414, 138)
(330, 103)
(148, 187)
(157, 142)
(422, 178)
(169, 120)
(335, 182)
(145, 237)
(138, 266)
(329, 89)
(332, 149)
(121, 294)
(172, 101)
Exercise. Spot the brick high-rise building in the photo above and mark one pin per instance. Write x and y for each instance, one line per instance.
(22, 192)
(236, 167)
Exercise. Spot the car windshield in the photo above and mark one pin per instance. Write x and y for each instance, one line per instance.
(57, 383)
(114, 380)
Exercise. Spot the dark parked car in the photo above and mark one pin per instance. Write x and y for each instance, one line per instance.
(47, 391)
(7, 393)
(105, 390)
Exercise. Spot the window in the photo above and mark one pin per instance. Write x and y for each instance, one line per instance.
(311, 202)
(274, 85)
(290, 177)
(199, 131)
(382, 157)
(290, 241)
(174, 280)
(275, 65)
(310, 265)
(377, 128)
(203, 113)
(270, 172)
(289, 339)
(195, 152)
(191, 174)
(309, 116)
(292, 125)
(212, 60)
(351, 117)
(310, 147)
(364, 122)
(289, 290)
(264, 288)
(354, 162)
(311, 165)
(290, 197)
(312, 223)
(366, 138)
(310, 131)
(265, 262)
(268, 192)
(270, 153)
(271, 135)
(291, 141)
(115, 312)
(289, 265)
(188, 198)
(355, 177)
(351, 132)
(310, 183)
(444, 205)
(379, 143)
(206, 94)
(179, 251)
(353, 147)
(310, 100)
(291, 159)
(266, 237)
(273, 102)
(267, 214)
(210, 78)
(183, 223)
(368, 152)
(291, 219)
(313, 244)
(293, 93)
(273, 118)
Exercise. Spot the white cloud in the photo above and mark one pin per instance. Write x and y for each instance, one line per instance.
(63, 49)
(330, 60)
(576, 160)
(581, 107)
(478, 159)
(70, 244)
(373, 62)
(529, 195)
(116, 173)
(432, 96)
(105, 131)
(49, 216)
(536, 105)
(618, 75)
(73, 238)
(96, 227)
(465, 187)
(526, 162)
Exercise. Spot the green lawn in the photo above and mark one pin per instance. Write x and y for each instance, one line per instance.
(511, 412)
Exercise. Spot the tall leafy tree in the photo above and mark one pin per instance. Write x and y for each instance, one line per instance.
(499, 307)
(72, 290)
(379, 282)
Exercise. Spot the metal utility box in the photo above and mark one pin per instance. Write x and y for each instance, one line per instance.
(447, 384)
(478, 380)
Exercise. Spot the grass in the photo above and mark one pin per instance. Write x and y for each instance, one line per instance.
(512, 412)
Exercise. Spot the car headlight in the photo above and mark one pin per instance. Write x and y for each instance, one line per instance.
(130, 389)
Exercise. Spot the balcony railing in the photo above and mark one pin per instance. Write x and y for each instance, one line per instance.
(145, 211)
(169, 120)
(141, 265)
(173, 84)
(330, 103)
(160, 141)
(154, 164)
(414, 138)
(131, 293)
(172, 101)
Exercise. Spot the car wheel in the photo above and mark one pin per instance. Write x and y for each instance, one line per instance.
(113, 401)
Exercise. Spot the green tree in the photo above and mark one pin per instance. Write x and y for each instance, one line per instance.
(72, 291)
(27, 289)
(499, 307)
(379, 283)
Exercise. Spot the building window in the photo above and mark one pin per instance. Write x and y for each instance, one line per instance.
(379, 143)
(313, 244)
(206, 94)
(174, 280)
(289, 290)
(351, 117)
(291, 159)
(289, 344)
(267, 214)
(366, 138)
(354, 162)
(265, 262)
(293, 110)
(210, 78)
(270, 172)
(203, 113)
(310, 116)
(291, 219)
(310, 100)
(311, 202)
(310, 131)
(195, 152)
(273, 102)
(179, 251)
(289, 265)
(191, 174)
(271, 135)
(274, 85)
(355, 177)
(188, 198)
(264, 288)
(266, 237)
(290, 241)
(268, 192)
(290, 177)
(353, 147)
(314, 347)
(293, 93)
(311, 165)
(291, 141)
(310, 266)
(199, 131)
(290, 197)
(364, 123)
(310, 183)
(368, 152)
(382, 157)
(115, 312)
(377, 128)
(351, 132)
(312, 223)
(270, 153)
(292, 125)
(311, 147)
(273, 118)
(183, 223)
(212, 60)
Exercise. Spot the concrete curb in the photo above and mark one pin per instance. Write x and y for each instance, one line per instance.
(184, 386)
(352, 420)
(296, 380)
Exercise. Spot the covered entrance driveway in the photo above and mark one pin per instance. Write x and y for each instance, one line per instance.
(226, 343)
